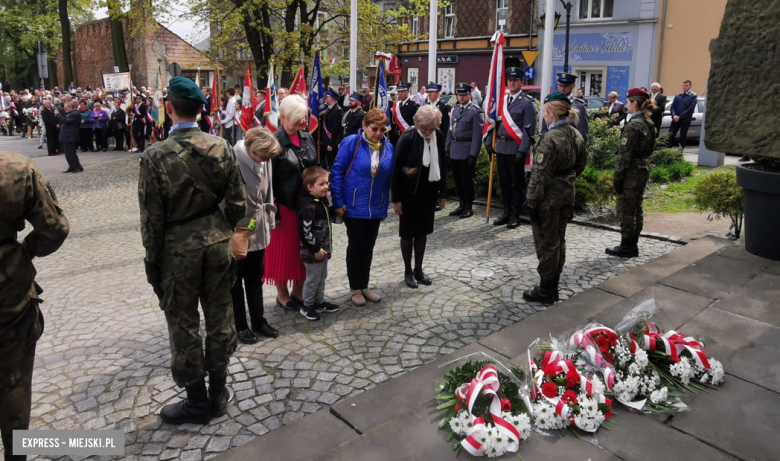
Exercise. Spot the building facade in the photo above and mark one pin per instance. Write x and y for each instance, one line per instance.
(611, 45)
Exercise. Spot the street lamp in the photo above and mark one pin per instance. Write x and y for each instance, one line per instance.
(568, 7)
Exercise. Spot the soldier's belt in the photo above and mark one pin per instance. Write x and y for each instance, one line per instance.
(454, 139)
(208, 211)
(505, 139)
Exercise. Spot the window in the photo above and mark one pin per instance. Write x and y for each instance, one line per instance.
(449, 21)
(224, 83)
(596, 9)
(204, 80)
(502, 13)
(591, 81)
(415, 26)
(702, 106)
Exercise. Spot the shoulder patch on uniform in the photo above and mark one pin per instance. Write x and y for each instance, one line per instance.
(624, 141)
(540, 157)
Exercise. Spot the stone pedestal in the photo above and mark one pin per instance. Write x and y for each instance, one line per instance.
(708, 157)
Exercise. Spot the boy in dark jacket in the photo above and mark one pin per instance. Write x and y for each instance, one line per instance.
(315, 233)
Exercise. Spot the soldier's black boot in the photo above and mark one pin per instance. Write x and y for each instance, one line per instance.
(635, 246)
(555, 284)
(514, 221)
(467, 211)
(542, 293)
(504, 217)
(195, 409)
(624, 250)
(219, 395)
(457, 211)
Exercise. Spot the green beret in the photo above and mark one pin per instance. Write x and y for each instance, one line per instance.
(185, 89)
(557, 96)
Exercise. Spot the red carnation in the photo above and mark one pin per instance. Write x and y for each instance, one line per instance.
(572, 378)
(570, 397)
(506, 405)
(458, 406)
(603, 343)
(550, 390)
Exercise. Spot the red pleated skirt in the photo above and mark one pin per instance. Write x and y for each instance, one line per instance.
(283, 254)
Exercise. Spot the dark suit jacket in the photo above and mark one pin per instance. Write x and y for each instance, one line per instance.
(331, 124)
(49, 119)
(69, 131)
(618, 109)
(658, 112)
(410, 154)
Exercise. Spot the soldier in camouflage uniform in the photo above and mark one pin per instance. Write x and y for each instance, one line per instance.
(25, 195)
(637, 143)
(182, 182)
(560, 157)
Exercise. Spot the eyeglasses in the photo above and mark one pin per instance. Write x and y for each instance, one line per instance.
(378, 130)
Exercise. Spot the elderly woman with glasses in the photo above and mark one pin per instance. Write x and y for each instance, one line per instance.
(282, 256)
(360, 185)
(419, 182)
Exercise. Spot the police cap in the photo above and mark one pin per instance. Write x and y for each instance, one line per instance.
(514, 73)
(463, 88)
(403, 86)
(185, 89)
(432, 87)
(332, 93)
(356, 97)
(566, 79)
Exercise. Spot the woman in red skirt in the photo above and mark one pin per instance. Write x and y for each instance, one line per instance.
(282, 256)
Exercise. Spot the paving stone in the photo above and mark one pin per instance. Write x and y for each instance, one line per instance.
(218, 444)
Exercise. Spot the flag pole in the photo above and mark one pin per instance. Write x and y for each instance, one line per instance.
(490, 183)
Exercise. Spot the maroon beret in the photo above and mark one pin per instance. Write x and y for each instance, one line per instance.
(638, 92)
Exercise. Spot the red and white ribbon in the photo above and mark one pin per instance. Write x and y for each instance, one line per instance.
(674, 344)
(399, 119)
(584, 339)
(486, 383)
(509, 124)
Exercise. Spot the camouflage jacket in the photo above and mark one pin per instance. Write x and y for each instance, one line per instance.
(178, 211)
(637, 143)
(560, 157)
(26, 196)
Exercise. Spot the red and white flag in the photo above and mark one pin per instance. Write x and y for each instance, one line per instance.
(271, 108)
(494, 99)
(247, 101)
(299, 84)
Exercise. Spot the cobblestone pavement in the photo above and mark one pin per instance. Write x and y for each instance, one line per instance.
(102, 362)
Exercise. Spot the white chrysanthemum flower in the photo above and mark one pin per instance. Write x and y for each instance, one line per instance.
(640, 358)
(660, 395)
(682, 370)
(626, 389)
(634, 369)
(522, 423)
(456, 424)
(716, 371)
(598, 387)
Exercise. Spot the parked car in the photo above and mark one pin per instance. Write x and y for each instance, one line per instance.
(449, 99)
(595, 102)
(694, 132)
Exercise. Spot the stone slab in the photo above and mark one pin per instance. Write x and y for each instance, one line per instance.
(636, 436)
(674, 307)
(714, 276)
(740, 419)
(639, 278)
(751, 308)
(514, 340)
(303, 440)
(737, 251)
(415, 436)
(747, 348)
(695, 251)
(379, 405)
(763, 287)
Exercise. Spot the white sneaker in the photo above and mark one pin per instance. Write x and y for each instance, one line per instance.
(134, 149)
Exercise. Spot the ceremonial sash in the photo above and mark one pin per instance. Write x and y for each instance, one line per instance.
(399, 120)
(509, 124)
(138, 114)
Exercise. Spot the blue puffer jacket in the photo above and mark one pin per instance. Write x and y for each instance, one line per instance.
(366, 197)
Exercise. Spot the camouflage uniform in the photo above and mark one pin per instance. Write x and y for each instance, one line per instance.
(560, 158)
(636, 144)
(185, 232)
(26, 196)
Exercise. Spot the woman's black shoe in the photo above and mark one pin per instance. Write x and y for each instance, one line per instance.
(410, 281)
(267, 330)
(246, 337)
(292, 304)
(420, 276)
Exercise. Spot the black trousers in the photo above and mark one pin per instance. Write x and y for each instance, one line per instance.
(682, 126)
(139, 134)
(52, 135)
(119, 139)
(85, 139)
(71, 156)
(249, 278)
(361, 237)
(464, 180)
(101, 140)
(511, 176)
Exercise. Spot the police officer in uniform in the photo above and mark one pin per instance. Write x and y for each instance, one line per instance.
(464, 141)
(403, 112)
(510, 154)
(560, 157)
(331, 125)
(188, 256)
(353, 118)
(26, 196)
(637, 143)
(566, 84)
(434, 90)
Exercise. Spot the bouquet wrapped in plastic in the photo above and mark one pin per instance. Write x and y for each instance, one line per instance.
(487, 405)
(563, 392)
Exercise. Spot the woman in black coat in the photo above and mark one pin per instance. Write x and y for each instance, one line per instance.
(69, 137)
(419, 183)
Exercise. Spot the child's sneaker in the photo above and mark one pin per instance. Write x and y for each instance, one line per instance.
(328, 308)
(309, 312)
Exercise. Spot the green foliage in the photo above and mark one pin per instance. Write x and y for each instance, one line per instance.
(605, 188)
(584, 193)
(660, 175)
(603, 143)
(719, 194)
(662, 142)
(665, 157)
(590, 174)
(679, 170)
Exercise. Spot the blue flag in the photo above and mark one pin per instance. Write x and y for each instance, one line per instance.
(381, 98)
(316, 94)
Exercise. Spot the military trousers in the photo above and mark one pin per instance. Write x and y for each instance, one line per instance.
(206, 275)
(629, 203)
(511, 176)
(16, 370)
(550, 240)
(464, 179)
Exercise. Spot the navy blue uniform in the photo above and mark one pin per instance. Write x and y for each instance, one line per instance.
(464, 141)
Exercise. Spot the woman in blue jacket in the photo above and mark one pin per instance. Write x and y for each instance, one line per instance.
(360, 186)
